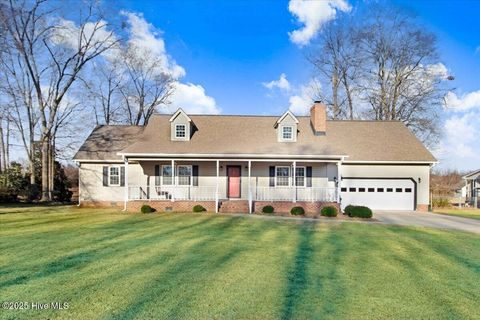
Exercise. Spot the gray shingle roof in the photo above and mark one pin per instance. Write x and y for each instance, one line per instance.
(255, 135)
(106, 141)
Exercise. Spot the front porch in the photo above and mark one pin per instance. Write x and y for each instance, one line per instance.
(232, 185)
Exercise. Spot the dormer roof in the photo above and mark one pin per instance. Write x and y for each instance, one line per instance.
(178, 112)
(287, 113)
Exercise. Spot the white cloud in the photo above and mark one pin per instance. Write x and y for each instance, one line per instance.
(313, 15)
(66, 33)
(144, 37)
(467, 101)
(301, 102)
(193, 99)
(459, 145)
(282, 83)
(148, 41)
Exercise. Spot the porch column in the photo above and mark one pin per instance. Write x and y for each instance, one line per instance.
(174, 183)
(249, 186)
(339, 180)
(126, 185)
(294, 183)
(216, 187)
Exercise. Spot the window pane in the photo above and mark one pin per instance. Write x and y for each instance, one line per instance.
(167, 175)
(184, 175)
(114, 176)
(283, 174)
(287, 133)
(180, 131)
(300, 177)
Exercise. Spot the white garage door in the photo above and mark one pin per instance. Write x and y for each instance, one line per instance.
(378, 194)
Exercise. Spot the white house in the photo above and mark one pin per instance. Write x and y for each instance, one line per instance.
(241, 163)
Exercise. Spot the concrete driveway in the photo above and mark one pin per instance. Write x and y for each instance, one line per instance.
(426, 219)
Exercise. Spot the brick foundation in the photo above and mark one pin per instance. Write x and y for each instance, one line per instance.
(169, 206)
(422, 207)
(283, 207)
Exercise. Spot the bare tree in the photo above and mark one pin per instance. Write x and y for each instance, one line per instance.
(338, 65)
(54, 52)
(104, 92)
(18, 94)
(146, 86)
(403, 77)
(383, 67)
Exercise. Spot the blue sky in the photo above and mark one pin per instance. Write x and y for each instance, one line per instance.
(230, 49)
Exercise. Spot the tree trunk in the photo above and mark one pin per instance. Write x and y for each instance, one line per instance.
(45, 181)
(51, 171)
(2, 148)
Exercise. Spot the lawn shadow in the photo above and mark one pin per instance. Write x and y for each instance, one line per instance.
(297, 275)
(103, 248)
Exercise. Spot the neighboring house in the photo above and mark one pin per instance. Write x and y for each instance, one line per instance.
(472, 188)
(242, 163)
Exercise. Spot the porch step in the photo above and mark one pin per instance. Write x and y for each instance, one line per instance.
(233, 206)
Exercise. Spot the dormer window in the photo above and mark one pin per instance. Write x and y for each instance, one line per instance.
(180, 131)
(287, 127)
(181, 126)
(287, 132)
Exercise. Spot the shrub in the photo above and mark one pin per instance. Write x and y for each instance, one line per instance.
(440, 203)
(268, 209)
(329, 211)
(297, 211)
(146, 209)
(199, 208)
(348, 209)
(7, 195)
(358, 212)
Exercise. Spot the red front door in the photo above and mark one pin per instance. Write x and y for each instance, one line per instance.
(233, 173)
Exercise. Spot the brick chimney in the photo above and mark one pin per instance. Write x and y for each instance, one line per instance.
(318, 118)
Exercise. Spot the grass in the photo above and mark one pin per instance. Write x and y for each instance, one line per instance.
(111, 265)
(466, 213)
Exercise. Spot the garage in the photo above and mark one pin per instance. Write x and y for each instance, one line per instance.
(379, 194)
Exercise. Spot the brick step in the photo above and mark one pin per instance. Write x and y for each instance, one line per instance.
(233, 206)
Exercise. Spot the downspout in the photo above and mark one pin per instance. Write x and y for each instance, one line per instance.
(79, 165)
(125, 160)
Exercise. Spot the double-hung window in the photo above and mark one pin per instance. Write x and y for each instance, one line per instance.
(300, 176)
(180, 131)
(282, 176)
(184, 175)
(114, 176)
(287, 133)
(167, 178)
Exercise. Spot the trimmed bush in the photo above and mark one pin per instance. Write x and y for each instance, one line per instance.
(268, 209)
(297, 211)
(329, 211)
(146, 209)
(198, 208)
(358, 212)
(348, 209)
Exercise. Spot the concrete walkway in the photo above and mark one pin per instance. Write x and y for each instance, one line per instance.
(426, 219)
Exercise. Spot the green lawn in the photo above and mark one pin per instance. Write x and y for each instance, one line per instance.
(466, 213)
(111, 265)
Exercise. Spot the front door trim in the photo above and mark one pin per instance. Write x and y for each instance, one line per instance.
(240, 181)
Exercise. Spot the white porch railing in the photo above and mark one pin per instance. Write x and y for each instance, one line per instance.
(309, 194)
(193, 193)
